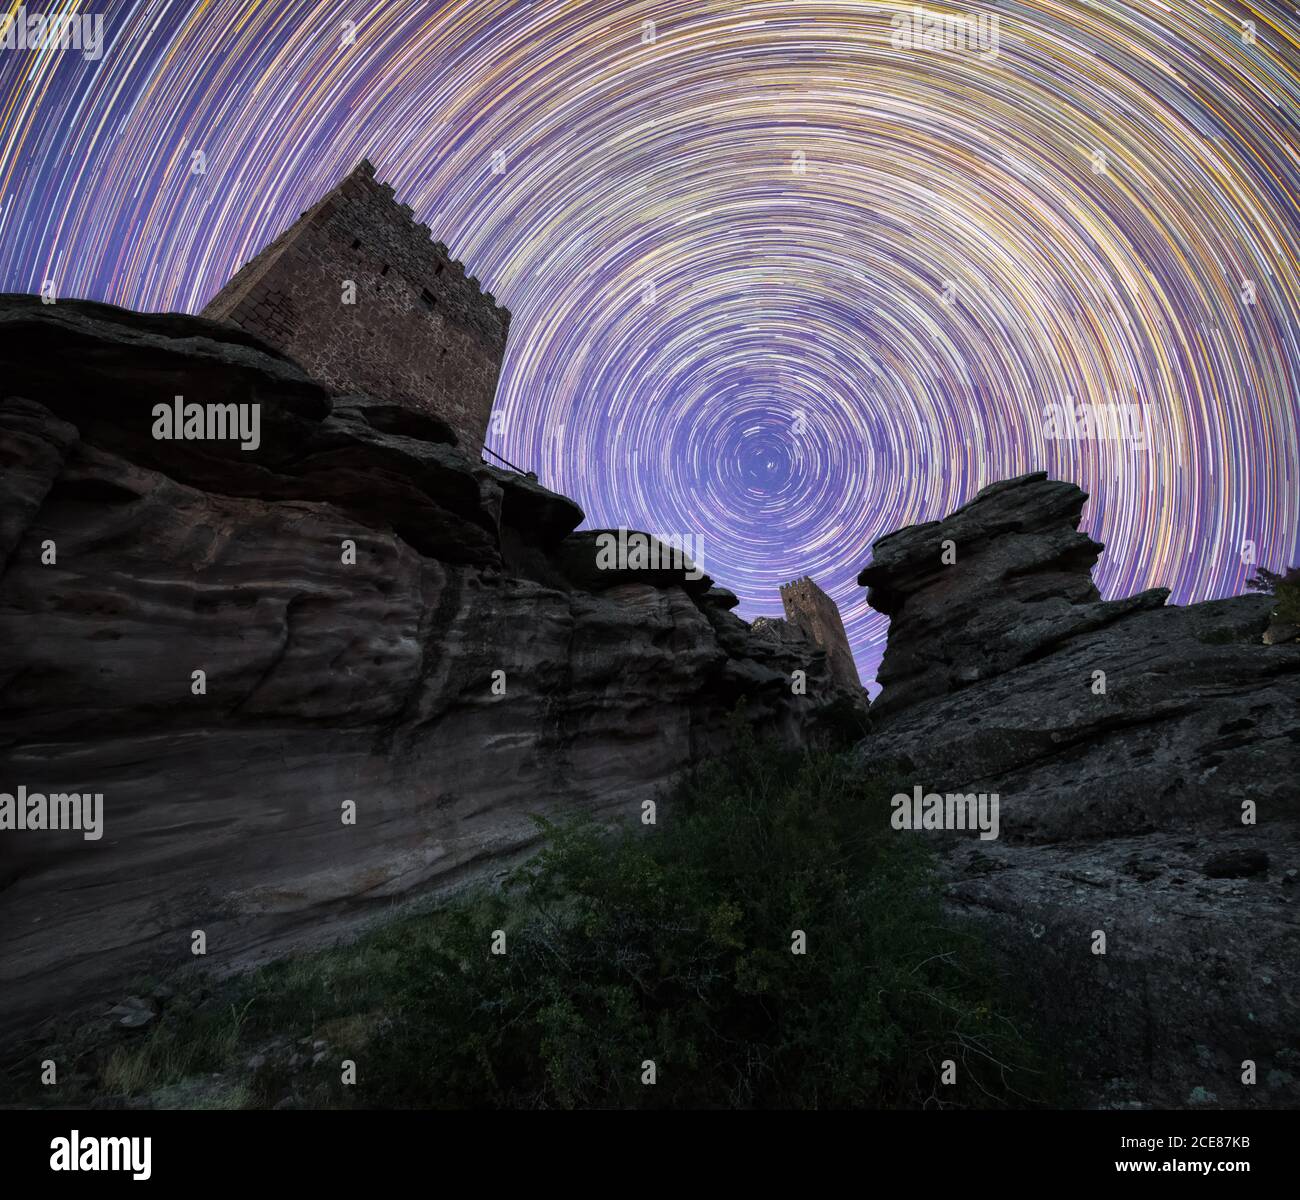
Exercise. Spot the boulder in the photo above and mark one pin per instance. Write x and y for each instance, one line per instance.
(1123, 739)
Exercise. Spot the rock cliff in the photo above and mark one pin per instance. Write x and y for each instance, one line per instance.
(379, 620)
(1122, 738)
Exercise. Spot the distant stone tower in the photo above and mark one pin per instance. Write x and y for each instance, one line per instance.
(808, 607)
(420, 333)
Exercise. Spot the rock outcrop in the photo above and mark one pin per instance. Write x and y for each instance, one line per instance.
(378, 619)
(235, 646)
(1122, 738)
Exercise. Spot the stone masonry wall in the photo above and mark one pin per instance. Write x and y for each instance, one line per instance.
(421, 334)
(807, 606)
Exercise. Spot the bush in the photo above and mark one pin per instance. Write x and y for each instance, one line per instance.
(1286, 590)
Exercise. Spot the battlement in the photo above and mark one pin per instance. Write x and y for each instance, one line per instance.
(361, 297)
(804, 584)
(813, 611)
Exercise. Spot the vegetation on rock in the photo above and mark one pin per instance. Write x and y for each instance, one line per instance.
(668, 943)
(1285, 588)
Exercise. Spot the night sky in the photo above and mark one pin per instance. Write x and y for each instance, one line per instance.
(774, 280)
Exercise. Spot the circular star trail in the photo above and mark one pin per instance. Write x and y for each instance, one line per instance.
(779, 278)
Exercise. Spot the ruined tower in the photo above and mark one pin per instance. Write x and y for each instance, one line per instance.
(419, 332)
(808, 607)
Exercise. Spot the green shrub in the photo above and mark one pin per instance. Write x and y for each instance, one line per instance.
(1285, 589)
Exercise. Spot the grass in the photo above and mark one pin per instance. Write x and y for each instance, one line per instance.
(175, 1051)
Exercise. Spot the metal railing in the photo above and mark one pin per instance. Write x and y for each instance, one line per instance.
(527, 474)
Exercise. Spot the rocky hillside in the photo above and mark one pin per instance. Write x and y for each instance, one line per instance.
(379, 620)
(1122, 738)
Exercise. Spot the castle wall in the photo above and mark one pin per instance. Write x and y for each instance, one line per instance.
(807, 606)
(421, 334)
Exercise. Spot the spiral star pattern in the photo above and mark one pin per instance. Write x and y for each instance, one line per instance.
(780, 278)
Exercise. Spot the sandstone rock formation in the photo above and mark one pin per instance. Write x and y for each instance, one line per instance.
(327, 680)
(1122, 738)
(351, 589)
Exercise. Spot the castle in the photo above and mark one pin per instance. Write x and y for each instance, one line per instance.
(363, 300)
(813, 611)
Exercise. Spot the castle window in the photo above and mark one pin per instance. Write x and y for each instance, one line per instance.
(385, 270)
(356, 242)
(439, 270)
(428, 297)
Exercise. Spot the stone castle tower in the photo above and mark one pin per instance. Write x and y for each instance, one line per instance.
(420, 334)
(813, 611)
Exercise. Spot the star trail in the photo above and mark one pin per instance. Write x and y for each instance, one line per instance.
(776, 280)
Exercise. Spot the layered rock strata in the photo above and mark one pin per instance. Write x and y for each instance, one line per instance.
(1139, 750)
(378, 619)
